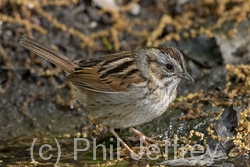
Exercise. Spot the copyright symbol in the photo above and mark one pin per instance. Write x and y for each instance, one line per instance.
(41, 151)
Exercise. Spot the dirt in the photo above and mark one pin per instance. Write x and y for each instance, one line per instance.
(36, 102)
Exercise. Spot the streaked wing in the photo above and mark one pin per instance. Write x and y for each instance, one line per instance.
(88, 78)
(116, 73)
(120, 72)
(111, 73)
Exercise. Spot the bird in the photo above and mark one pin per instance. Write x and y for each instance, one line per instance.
(124, 89)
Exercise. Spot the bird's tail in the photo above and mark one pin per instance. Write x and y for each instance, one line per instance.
(64, 62)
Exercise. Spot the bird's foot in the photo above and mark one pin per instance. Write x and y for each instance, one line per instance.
(130, 152)
(146, 140)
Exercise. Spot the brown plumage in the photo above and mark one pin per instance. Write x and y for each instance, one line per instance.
(124, 89)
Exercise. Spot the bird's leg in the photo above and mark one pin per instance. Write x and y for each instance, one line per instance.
(146, 140)
(131, 152)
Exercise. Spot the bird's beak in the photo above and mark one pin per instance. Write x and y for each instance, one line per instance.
(185, 75)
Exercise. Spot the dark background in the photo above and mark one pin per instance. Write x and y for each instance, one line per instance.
(35, 100)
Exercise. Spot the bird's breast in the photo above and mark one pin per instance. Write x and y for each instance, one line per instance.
(127, 109)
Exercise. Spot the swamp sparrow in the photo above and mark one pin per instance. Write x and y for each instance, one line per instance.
(125, 89)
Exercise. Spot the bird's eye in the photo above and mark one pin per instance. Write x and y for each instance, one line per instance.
(169, 66)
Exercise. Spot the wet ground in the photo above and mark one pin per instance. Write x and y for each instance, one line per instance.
(37, 105)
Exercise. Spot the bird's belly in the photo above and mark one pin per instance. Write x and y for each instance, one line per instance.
(122, 110)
